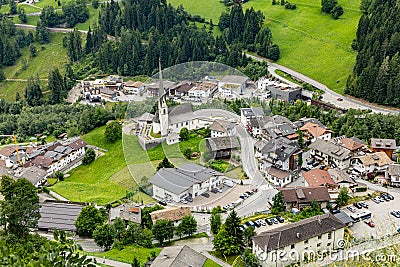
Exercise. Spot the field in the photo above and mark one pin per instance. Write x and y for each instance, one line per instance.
(105, 180)
(310, 42)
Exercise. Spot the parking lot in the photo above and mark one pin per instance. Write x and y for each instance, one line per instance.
(385, 223)
(267, 227)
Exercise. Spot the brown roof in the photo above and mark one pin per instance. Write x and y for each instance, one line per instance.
(40, 161)
(77, 144)
(2, 163)
(303, 194)
(340, 176)
(53, 146)
(351, 144)
(317, 177)
(30, 149)
(278, 173)
(378, 158)
(171, 214)
(7, 150)
(297, 232)
(134, 209)
(314, 129)
(222, 143)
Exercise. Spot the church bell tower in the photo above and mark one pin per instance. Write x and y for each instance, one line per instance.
(162, 104)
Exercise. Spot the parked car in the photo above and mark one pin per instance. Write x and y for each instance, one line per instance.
(377, 201)
(269, 221)
(243, 196)
(310, 161)
(391, 197)
(363, 204)
(257, 224)
(370, 223)
(315, 164)
(162, 202)
(357, 205)
(262, 222)
(274, 220)
(395, 213)
(350, 208)
(184, 201)
(322, 167)
(205, 194)
(249, 193)
(280, 219)
(250, 223)
(339, 99)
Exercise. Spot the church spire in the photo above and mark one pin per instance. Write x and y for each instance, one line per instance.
(162, 104)
(161, 88)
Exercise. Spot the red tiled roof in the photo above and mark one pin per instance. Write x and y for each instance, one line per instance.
(351, 144)
(7, 151)
(318, 177)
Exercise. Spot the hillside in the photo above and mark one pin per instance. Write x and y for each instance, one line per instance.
(310, 42)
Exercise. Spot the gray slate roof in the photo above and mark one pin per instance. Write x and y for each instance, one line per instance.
(33, 174)
(178, 180)
(235, 79)
(296, 232)
(222, 126)
(394, 169)
(344, 218)
(383, 143)
(61, 216)
(178, 256)
(328, 148)
(282, 147)
(222, 143)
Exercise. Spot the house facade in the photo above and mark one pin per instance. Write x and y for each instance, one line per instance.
(300, 197)
(393, 175)
(375, 162)
(384, 145)
(303, 239)
(332, 155)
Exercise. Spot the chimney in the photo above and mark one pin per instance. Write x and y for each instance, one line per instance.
(298, 235)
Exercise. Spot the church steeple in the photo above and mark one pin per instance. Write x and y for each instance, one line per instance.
(162, 104)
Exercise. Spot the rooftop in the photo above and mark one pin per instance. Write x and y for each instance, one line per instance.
(61, 216)
(316, 177)
(303, 194)
(383, 143)
(297, 232)
(171, 214)
(377, 158)
(178, 256)
(329, 148)
(221, 143)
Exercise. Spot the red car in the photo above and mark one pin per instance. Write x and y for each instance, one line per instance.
(339, 99)
(370, 223)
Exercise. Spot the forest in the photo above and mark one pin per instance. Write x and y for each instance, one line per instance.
(376, 74)
(148, 30)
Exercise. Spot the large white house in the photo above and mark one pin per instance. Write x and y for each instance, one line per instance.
(334, 156)
(296, 242)
(189, 180)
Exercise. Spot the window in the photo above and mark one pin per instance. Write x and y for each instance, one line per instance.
(319, 237)
(319, 244)
(329, 235)
(306, 242)
(292, 246)
(329, 244)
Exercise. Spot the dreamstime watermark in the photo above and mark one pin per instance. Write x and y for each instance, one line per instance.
(340, 252)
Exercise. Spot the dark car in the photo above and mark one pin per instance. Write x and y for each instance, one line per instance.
(315, 164)
(250, 223)
(274, 220)
(269, 222)
(280, 219)
(257, 224)
(363, 204)
(357, 205)
(190, 199)
(249, 193)
(214, 190)
(390, 196)
(322, 167)
(205, 194)
(162, 202)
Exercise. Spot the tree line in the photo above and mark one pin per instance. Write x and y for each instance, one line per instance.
(148, 30)
(376, 74)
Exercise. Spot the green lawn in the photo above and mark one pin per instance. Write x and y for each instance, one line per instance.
(127, 254)
(29, 8)
(103, 181)
(210, 263)
(310, 42)
(8, 89)
(49, 56)
(208, 9)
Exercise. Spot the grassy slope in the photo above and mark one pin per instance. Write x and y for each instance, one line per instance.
(310, 42)
(53, 56)
(94, 15)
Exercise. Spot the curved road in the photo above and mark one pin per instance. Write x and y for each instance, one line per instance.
(329, 95)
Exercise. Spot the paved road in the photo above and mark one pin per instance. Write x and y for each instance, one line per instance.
(329, 95)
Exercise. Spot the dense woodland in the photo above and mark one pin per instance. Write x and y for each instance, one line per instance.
(376, 75)
(148, 30)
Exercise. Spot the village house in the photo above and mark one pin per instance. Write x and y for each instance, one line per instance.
(317, 177)
(312, 131)
(232, 86)
(393, 175)
(131, 87)
(189, 180)
(174, 214)
(280, 153)
(9, 155)
(128, 213)
(342, 178)
(384, 145)
(304, 238)
(181, 89)
(153, 88)
(277, 176)
(220, 128)
(178, 256)
(300, 197)
(353, 144)
(332, 155)
(222, 147)
(248, 113)
(375, 162)
(202, 90)
(33, 174)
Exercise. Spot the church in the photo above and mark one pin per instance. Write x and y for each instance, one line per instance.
(171, 120)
